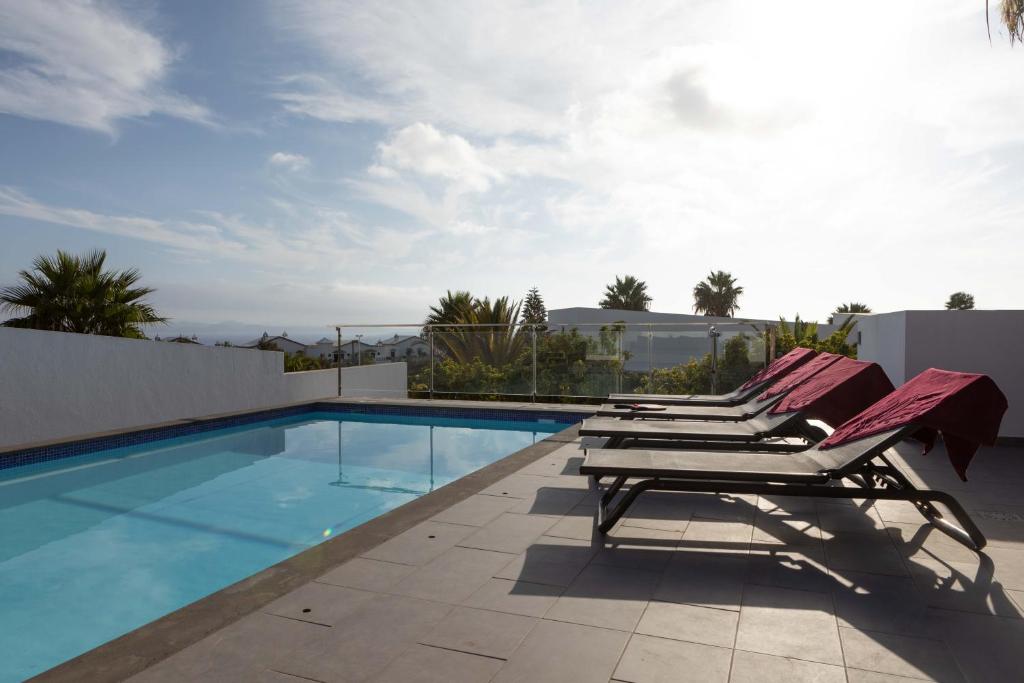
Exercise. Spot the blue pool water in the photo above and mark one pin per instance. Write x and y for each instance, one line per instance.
(94, 546)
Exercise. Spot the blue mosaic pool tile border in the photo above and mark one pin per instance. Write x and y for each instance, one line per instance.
(40, 454)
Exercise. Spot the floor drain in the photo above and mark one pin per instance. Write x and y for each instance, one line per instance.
(306, 610)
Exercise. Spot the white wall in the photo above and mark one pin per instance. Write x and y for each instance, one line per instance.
(906, 343)
(55, 385)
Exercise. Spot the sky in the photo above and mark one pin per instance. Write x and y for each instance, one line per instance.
(305, 162)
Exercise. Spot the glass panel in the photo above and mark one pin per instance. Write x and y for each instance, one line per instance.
(741, 353)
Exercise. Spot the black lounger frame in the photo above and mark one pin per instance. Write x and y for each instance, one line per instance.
(873, 473)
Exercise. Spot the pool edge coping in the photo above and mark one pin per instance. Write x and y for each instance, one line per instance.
(157, 640)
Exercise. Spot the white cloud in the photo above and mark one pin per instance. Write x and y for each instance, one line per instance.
(315, 238)
(291, 162)
(676, 137)
(425, 150)
(85, 64)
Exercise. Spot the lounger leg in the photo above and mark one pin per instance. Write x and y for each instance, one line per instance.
(606, 519)
(612, 490)
(967, 533)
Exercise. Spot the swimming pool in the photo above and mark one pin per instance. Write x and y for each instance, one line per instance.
(93, 546)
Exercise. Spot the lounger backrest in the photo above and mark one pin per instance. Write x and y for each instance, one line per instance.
(756, 406)
(766, 423)
(844, 459)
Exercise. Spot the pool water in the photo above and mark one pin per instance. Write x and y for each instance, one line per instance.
(94, 546)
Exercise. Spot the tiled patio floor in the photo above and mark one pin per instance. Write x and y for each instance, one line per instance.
(513, 584)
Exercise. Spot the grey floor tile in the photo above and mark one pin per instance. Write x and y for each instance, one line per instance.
(789, 623)
(509, 533)
(924, 540)
(899, 655)
(790, 504)
(704, 579)
(361, 645)
(564, 653)
(518, 486)
(658, 660)
(608, 597)
(550, 560)
(986, 648)
(367, 575)
(319, 603)
(580, 527)
(424, 664)
(801, 567)
(725, 507)
(874, 602)
(716, 536)
(665, 513)
(753, 667)
(549, 501)
(965, 587)
(475, 511)
(420, 544)
(480, 632)
(515, 597)
(453, 576)
(785, 528)
(563, 461)
(638, 547)
(859, 518)
(873, 553)
(690, 623)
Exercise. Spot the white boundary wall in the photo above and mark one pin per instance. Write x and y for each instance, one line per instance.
(55, 385)
(905, 343)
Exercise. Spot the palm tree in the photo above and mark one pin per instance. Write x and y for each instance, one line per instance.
(495, 337)
(627, 294)
(1012, 16)
(960, 301)
(718, 295)
(852, 307)
(69, 293)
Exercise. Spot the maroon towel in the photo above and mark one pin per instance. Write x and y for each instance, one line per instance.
(838, 392)
(967, 408)
(780, 366)
(802, 373)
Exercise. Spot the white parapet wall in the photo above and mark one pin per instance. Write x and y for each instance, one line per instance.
(55, 385)
(905, 343)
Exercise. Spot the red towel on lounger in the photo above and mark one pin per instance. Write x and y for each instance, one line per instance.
(967, 408)
(838, 392)
(801, 374)
(780, 366)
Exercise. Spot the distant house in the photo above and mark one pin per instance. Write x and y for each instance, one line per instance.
(400, 348)
(324, 349)
(281, 341)
(180, 339)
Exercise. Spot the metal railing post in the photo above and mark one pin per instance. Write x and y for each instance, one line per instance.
(713, 334)
(622, 363)
(534, 392)
(338, 359)
(430, 336)
(650, 358)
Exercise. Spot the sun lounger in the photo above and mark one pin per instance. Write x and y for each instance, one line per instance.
(748, 432)
(764, 378)
(825, 371)
(832, 395)
(966, 409)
